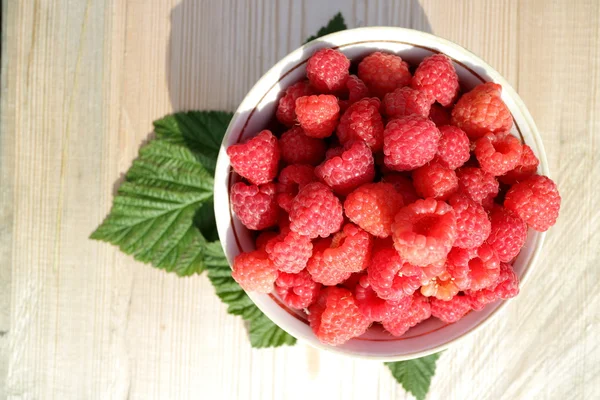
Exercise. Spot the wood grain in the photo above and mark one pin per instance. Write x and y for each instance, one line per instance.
(82, 83)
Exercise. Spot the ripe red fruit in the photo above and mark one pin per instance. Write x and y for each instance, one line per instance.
(257, 159)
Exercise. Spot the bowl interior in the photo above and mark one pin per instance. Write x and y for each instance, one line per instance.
(258, 109)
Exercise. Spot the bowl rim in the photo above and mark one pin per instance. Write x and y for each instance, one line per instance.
(307, 48)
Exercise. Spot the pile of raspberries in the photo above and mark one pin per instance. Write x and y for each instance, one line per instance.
(388, 195)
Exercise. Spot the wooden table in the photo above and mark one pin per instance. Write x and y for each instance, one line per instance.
(81, 84)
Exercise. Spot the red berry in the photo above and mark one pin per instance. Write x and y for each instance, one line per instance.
(434, 180)
(498, 154)
(357, 89)
(254, 271)
(316, 211)
(452, 310)
(526, 167)
(403, 186)
(439, 115)
(389, 276)
(335, 317)
(508, 233)
(482, 111)
(327, 70)
(405, 101)
(472, 223)
(257, 159)
(297, 148)
(375, 308)
(291, 179)
(424, 231)
(383, 72)
(418, 311)
(437, 77)
(255, 206)
(318, 115)
(478, 185)
(506, 287)
(322, 272)
(474, 269)
(350, 249)
(443, 286)
(286, 109)
(536, 201)
(289, 251)
(344, 173)
(297, 290)
(409, 142)
(373, 206)
(453, 148)
(362, 121)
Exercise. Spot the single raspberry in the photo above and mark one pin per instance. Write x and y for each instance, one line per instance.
(255, 206)
(434, 180)
(316, 211)
(482, 111)
(418, 311)
(439, 115)
(318, 115)
(403, 186)
(405, 101)
(291, 179)
(373, 206)
(390, 277)
(536, 200)
(375, 308)
(443, 286)
(409, 142)
(350, 249)
(297, 148)
(263, 238)
(322, 272)
(424, 231)
(480, 267)
(453, 148)
(297, 290)
(335, 317)
(357, 90)
(508, 233)
(344, 173)
(289, 251)
(498, 154)
(526, 167)
(286, 109)
(257, 159)
(254, 271)
(478, 185)
(383, 72)
(437, 77)
(452, 310)
(472, 223)
(327, 70)
(362, 121)
(506, 287)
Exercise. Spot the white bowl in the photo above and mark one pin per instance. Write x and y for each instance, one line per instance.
(258, 108)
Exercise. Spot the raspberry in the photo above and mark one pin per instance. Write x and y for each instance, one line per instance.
(390, 277)
(453, 148)
(508, 233)
(335, 317)
(481, 111)
(437, 77)
(297, 148)
(478, 185)
(257, 159)
(349, 170)
(434, 180)
(357, 89)
(439, 115)
(409, 142)
(418, 311)
(452, 310)
(291, 179)
(297, 290)
(443, 286)
(362, 121)
(373, 206)
(432, 271)
(316, 211)
(375, 308)
(327, 70)
(318, 115)
(383, 72)
(506, 287)
(255, 206)
(286, 109)
(254, 271)
(350, 249)
(526, 167)
(325, 273)
(536, 201)
(289, 252)
(263, 238)
(474, 269)
(498, 154)
(406, 101)
(403, 186)
(424, 231)
(472, 223)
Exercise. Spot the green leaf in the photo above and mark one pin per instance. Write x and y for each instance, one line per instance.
(152, 217)
(335, 24)
(263, 332)
(415, 375)
(200, 131)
